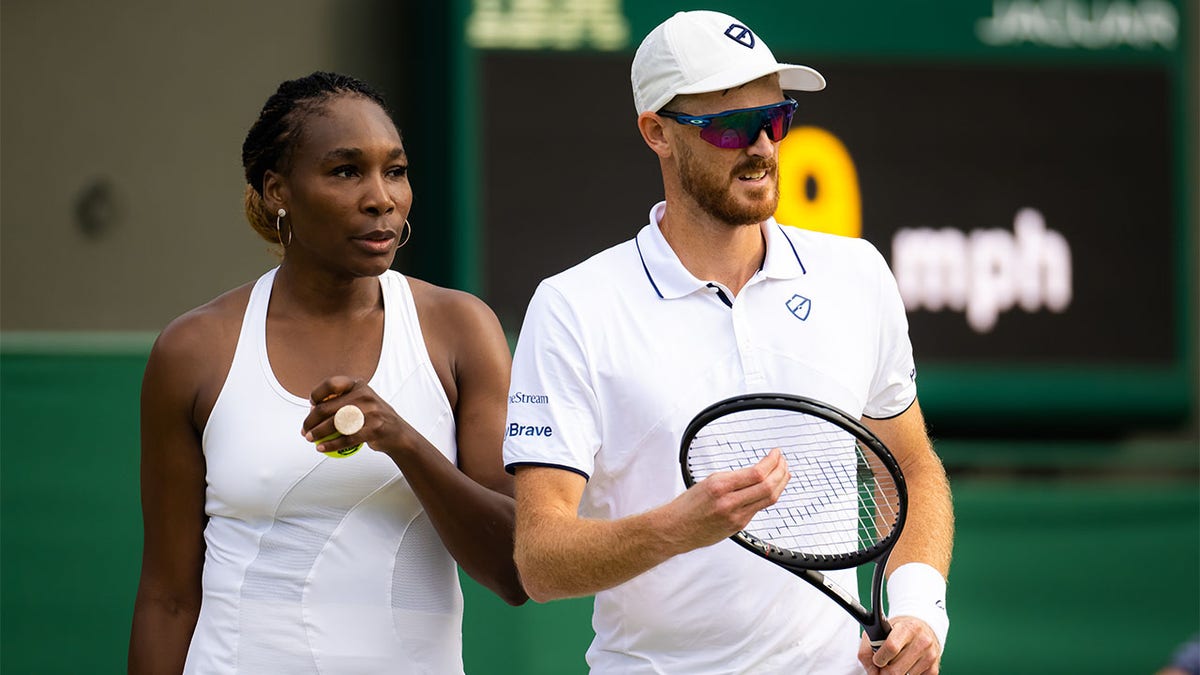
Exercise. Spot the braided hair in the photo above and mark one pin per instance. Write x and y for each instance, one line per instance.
(278, 130)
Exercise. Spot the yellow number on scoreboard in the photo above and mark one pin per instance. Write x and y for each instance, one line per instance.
(818, 185)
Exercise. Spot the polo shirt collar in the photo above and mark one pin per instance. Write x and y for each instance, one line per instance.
(670, 279)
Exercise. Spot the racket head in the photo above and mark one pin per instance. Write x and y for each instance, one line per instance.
(846, 502)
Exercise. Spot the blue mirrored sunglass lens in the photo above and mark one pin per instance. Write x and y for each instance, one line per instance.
(741, 129)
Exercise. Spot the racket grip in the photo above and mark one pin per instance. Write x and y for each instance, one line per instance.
(877, 635)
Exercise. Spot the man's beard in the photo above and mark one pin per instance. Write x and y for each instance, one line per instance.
(715, 197)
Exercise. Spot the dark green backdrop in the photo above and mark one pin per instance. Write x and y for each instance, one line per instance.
(1051, 575)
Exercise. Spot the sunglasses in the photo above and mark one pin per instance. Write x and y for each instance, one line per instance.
(734, 129)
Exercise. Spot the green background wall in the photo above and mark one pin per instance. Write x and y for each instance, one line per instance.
(1083, 566)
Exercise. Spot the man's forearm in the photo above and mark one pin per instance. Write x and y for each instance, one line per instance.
(929, 534)
(560, 555)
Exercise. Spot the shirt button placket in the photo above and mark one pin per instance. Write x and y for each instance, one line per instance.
(745, 341)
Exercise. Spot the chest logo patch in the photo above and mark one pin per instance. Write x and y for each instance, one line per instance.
(800, 307)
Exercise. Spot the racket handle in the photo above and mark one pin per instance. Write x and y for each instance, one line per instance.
(877, 635)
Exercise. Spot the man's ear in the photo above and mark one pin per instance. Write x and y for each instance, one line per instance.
(655, 133)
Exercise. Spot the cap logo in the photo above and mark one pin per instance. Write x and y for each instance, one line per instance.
(740, 34)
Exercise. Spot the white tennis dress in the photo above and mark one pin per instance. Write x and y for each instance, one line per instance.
(318, 564)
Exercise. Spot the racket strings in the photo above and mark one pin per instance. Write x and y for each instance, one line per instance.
(840, 498)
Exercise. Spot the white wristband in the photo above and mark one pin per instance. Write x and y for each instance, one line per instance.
(918, 590)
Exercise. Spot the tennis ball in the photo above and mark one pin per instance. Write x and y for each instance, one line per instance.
(344, 452)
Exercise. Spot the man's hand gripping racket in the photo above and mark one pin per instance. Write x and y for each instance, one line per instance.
(843, 507)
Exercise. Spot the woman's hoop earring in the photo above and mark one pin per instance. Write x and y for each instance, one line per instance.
(279, 230)
(406, 232)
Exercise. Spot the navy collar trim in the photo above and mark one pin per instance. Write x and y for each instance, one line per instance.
(646, 269)
(789, 241)
(670, 280)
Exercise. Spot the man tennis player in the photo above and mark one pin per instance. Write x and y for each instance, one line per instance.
(711, 299)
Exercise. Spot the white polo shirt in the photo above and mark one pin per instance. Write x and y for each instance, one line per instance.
(616, 356)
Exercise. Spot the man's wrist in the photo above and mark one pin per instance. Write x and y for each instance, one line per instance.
(918, 590)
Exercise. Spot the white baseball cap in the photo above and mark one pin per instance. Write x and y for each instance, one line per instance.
(702, 51)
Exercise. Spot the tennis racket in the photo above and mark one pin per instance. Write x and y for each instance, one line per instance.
(843, 507)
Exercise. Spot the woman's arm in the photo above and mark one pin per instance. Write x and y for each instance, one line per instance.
(172, 486)
(481, 366)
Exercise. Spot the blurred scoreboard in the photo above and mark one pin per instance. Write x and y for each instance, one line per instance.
(1027, 169)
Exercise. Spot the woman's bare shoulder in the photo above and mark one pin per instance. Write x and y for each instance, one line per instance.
(205, 331)
(452, 310)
